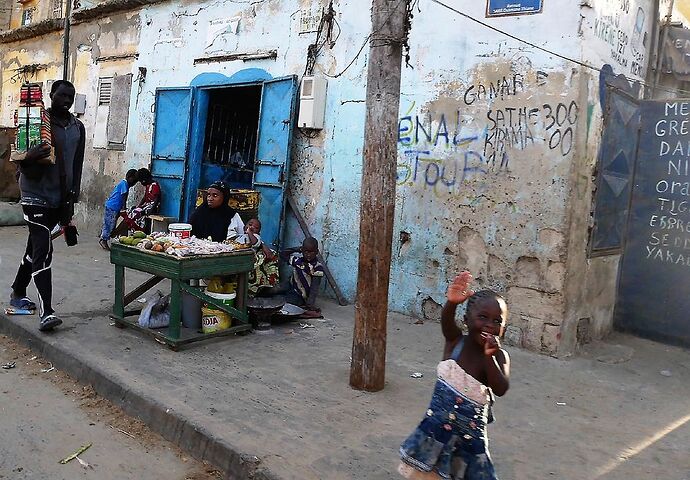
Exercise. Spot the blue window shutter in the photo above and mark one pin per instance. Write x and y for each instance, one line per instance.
(170, 146)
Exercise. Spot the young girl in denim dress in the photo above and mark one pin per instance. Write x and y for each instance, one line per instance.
(451, 440)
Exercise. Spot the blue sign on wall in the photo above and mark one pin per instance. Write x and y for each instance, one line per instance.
(499, 8)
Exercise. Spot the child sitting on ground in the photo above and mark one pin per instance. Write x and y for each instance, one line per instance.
(115, 202)
(453, 435)
(307, 273)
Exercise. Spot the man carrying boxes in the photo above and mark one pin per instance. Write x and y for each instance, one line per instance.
(49, 180)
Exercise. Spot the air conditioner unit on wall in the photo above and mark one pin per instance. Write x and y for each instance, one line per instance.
(312, 103)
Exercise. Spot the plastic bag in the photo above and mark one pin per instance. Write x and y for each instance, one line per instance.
(156, 312)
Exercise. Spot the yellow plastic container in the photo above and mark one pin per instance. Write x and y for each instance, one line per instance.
(239, 199)
(213, 320)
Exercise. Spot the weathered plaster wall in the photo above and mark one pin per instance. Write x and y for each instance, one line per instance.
(41, 10)
(492, 195)
(115, 35)
(616, 33)
(671, 86)
(493, 136)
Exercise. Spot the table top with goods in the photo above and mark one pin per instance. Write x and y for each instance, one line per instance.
(168, 244)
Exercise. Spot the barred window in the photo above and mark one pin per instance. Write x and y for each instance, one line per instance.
(58, 8)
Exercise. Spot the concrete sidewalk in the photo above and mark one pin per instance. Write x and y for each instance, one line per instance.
(279, 406)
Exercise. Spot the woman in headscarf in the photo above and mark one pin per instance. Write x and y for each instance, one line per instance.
(213, 218)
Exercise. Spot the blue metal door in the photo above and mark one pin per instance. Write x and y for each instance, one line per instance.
(272, 164)
(170, 146)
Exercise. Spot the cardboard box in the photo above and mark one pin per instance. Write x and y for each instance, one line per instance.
(33, 123)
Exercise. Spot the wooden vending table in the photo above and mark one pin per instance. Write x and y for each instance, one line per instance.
(179, 271)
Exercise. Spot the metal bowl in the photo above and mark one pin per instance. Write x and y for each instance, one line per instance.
(265, 304)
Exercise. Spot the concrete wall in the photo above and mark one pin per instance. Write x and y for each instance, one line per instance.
(618, 34)
(670, 85)
(497, 139)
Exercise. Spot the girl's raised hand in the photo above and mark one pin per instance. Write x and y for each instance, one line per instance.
(459, 290)
(491, 345)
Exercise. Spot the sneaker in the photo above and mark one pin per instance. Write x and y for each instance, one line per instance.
(104, 244)
(49, 322)
(22, 303)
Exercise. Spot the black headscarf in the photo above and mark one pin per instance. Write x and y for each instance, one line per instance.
(223, 188)
(213, 222)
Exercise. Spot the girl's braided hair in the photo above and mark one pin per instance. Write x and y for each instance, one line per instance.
(481, 295)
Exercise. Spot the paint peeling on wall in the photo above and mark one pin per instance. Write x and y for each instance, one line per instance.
(490, 131)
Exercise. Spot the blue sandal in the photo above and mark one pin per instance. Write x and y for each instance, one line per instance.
(23, 303)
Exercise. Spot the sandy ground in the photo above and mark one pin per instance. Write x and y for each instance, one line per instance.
(618, 411)
(45, 416)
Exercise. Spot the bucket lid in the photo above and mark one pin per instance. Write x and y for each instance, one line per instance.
(179, 226)
(221, 296)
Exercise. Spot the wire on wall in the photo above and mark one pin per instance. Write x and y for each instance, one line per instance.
(25, 73)
(551, 52)
(324, 35)
(409, 8)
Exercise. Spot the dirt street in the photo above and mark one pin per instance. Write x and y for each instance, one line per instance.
(45, 416)
(619, 410)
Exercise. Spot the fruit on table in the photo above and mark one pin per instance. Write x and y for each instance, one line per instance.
(138, 235)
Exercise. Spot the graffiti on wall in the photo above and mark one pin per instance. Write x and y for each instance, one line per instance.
(623, 29)
(489, 128)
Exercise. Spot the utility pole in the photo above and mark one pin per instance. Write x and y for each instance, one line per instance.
(65, 40)
(377, 208)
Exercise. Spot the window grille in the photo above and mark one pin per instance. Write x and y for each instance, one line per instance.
(27, 16)
(57, 6)
(105, 90)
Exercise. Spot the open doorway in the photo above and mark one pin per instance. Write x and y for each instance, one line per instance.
(230, 138)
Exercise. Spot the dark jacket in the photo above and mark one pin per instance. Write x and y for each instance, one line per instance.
(40, 184)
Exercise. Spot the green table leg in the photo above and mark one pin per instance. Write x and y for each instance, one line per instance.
(175, 310)
(242, 292)
(119, 307)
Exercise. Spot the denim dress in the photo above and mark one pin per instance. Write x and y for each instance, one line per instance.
(452, 436)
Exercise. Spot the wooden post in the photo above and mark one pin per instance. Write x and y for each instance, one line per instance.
(368, 368)
(65, 40)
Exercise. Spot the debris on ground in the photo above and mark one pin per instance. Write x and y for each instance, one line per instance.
(306, 325)
(69, 458)
(417, 375)
(49, 369)
(561, 404)
(18, 311)
(8, 366)
(122, 431)
(666, 373)
(84, 463)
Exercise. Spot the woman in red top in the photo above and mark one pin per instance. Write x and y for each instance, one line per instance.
(136, 218)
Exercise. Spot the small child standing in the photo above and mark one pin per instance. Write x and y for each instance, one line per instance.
(307, 273)
(115, 202)
(452, 437)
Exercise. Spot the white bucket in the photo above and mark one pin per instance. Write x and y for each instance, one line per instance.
(226, 298)
(180, 230)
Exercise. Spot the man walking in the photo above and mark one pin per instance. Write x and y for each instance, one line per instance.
(48, 193)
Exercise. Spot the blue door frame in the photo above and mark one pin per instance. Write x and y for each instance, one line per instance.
(179, 134)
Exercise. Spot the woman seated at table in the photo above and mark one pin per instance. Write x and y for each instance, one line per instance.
(213, 218)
